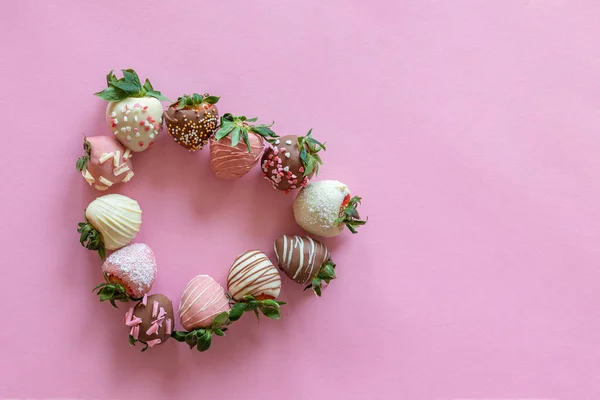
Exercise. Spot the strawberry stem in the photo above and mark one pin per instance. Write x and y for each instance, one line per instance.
(309, 147)
(90, 238)
(238, 128)
(350, 217)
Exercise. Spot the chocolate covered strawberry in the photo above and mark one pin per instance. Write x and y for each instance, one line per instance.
(238, 145)
(105, 162)
(151, 321)
(305, 260)
(129, 274)
(203, 310)
(324, 208)
(292, 161)
(193, 120)
(254, 284)
(111, 222)
(134, 112)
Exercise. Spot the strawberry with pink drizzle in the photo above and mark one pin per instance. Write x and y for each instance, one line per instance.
(134, 112)
(254, 284)
(129, 274)
(203, 310)
(151, 321)
(105, 162)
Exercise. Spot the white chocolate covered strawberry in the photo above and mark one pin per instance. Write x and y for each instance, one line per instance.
(105, 162)
(323, 208)
(134, 112)
(111, 222)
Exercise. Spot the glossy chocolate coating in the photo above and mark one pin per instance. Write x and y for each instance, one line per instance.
(300, 258)
(145, 313)
(282, 166)
(192, 127)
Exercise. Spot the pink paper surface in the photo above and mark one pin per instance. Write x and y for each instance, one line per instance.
(470, 128)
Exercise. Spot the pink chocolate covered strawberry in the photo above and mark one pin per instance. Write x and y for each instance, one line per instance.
(237, 146)
(105, 162)
(134, 112)
(254, 284)
(203, 310)
(129, 273)
(292, 161)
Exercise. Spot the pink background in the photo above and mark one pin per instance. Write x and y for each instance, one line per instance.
(471, 129)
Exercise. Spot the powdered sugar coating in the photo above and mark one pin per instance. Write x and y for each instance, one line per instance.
(318, 205)
(135, 266)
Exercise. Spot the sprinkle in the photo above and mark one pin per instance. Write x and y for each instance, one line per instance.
(142, 123)
(161, 313)
(125, 119)
(117, 158)
(294, 176)
(152, 136)
(115, 121)
(277, 141)
(123, 129)
(105, 156)
(286, 168)
(301, 169)
(288, 142)
(145, 298)
(135, 332)
(126, 154)
(136, 130)
(128, 138)
(88, 177)
(134, 321)
(100, 187)
(105, 181)
(154, 309)
(152, 330)
(270, 156)
(271, 163)
(113, 114)
(121, 169)
(128, 177)
(141, 144)
(128, 128)
(287, 155)
(153, 342)
(135, 118)
(169, 326)
(116, 132)
(137, 133)
(283, 149)
(128, 315)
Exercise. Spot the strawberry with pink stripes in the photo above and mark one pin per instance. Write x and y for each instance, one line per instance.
(203, 310)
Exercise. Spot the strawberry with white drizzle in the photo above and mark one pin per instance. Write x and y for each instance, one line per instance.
(105, 162)
(134, 113)
(151, 321)
(254, 284)
(323, 208)
(129, 273)
(203, 310)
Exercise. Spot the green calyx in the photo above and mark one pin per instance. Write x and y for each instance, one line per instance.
(239, 126)
(201, 338)
(326, 273)
(90, 238)
(112, 292)
(128, 86)
(309, 147)
(349, 215)
(83, 160)
(269, 308)
(194, 100)
(133, 341)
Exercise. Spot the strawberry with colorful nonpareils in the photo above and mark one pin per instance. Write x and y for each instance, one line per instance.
(151, 321)
(238, 145)
(111, 222)
(105, 162)
(203, 310)
(192, 120)
(324, 208)
(292, 161)
(129, 274)
(134, 112)
(254, 284)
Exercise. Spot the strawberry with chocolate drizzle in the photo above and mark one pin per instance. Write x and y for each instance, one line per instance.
(151, 321)
(254, 284)
(203, 311)
(105, 162)
(134, 112)
(129, 274)
(193, 120)
(324, 208)
(292, 161)
(238, 145)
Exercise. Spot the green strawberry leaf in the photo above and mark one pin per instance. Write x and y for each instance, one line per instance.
(237, 311)
(235, 136)
(350, 217)
(220, 319)
(127, 86)
(91, 239)
(179, 335)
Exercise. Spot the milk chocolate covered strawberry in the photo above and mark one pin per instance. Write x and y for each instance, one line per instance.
(111, 222)
(193, 120)
(292, 161)
(134, 112)
(129, 273)
(238, 145)
(305, 260)
(151, 321)
(105, 162)
(324, 208)
(203, 310)
(254, 284)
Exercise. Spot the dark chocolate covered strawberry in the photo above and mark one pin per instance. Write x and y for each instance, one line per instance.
(292, 161)
(305, 260)
(151, 321)
(193, 120)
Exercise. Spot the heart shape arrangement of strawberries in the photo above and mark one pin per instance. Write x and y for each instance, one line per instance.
(238, 144)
